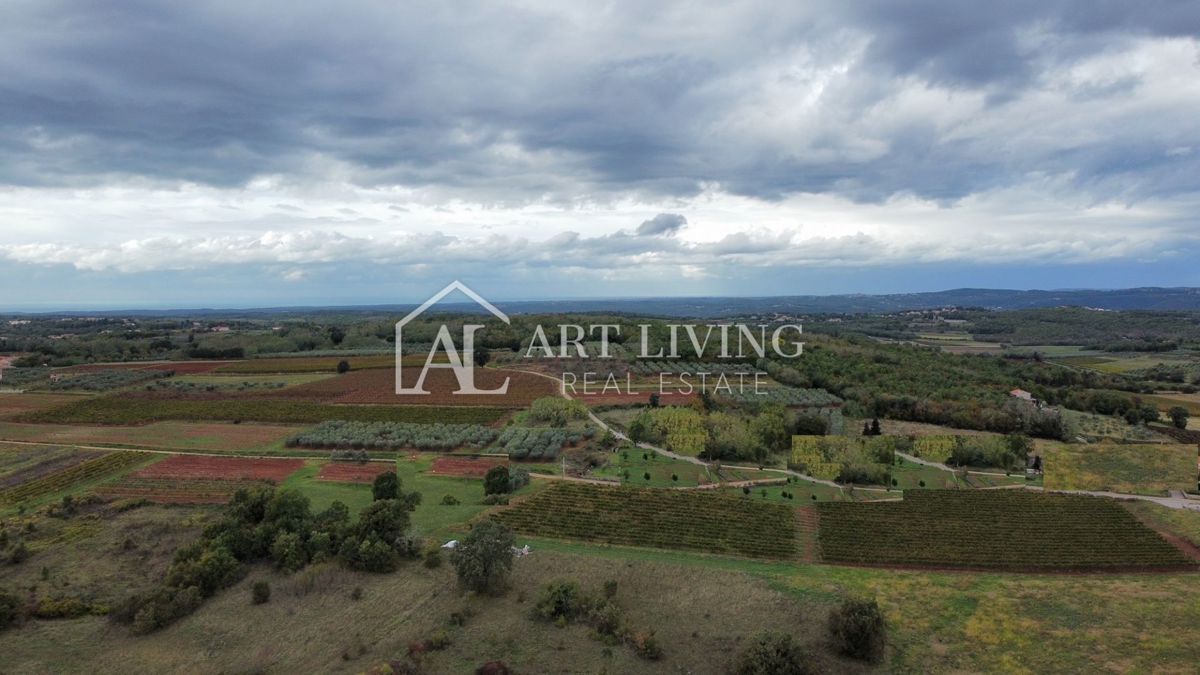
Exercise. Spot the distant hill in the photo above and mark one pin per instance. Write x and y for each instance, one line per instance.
(1150, 298)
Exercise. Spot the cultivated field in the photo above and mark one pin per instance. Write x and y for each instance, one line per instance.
(133, 410)
(379, 387)
(994, 529)
(697, 520)
(191, 436)
(14, 405)
(203, 467)
(465, 466)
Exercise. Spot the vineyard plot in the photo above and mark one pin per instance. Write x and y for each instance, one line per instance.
(693, 520)
(993, 529)
(70, 477)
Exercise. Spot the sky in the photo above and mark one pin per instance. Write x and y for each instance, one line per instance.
(234, 154)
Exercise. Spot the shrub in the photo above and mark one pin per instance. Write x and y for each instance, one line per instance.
(450, 500)
(260, 592)
(560, 600)
(438, 641)
(496, 482)
(343, 366)
(10, 606)
(433, 558)
(772, 653)
(492, 500)
(518, 477)
(288, 552)
(610, 589)
(386, 486)
(646, 646)
(484, 558)
(19, 554)
(858, 629)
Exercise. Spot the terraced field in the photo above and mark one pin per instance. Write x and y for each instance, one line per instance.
(693, 520)
(994, 529)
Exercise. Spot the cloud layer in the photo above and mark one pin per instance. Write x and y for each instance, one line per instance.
(679, 137)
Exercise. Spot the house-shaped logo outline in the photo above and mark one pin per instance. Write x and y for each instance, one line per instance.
(455, 285)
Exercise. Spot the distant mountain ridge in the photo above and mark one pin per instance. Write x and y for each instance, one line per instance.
(1148, 298)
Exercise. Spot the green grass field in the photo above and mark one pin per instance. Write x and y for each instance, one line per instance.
(1150, 469)
(637, 463)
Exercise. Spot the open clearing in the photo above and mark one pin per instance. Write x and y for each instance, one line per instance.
(1134, 469)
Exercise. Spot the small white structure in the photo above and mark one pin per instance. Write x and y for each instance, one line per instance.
(452, 544)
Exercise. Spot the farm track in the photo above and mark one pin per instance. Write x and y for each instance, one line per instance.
(1173, 503)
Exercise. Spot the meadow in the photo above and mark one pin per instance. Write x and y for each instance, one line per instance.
(1135, 469)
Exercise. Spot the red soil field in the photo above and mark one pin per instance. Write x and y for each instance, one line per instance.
(201, 467)
(379, 387)
(469, 466)
(352, 472)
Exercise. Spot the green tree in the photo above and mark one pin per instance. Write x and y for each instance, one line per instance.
(1179, 416)
(858, 629)
(484, 558)
(343, 367)
(496, 481)
(386, 486)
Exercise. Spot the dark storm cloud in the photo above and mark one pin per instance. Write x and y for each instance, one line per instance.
(662, 224)
(508, 104)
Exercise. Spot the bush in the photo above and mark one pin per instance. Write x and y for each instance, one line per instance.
(858, 629)
(19, 554)
(518, 477)
(496, 482)
(433, 558)
(386, 486)
(450, 500)
(492, 500)
(484, 558)
(646, 646)
(560, 600)
(772, 653)
(10, 606)
(260, 592)
(438, 641)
